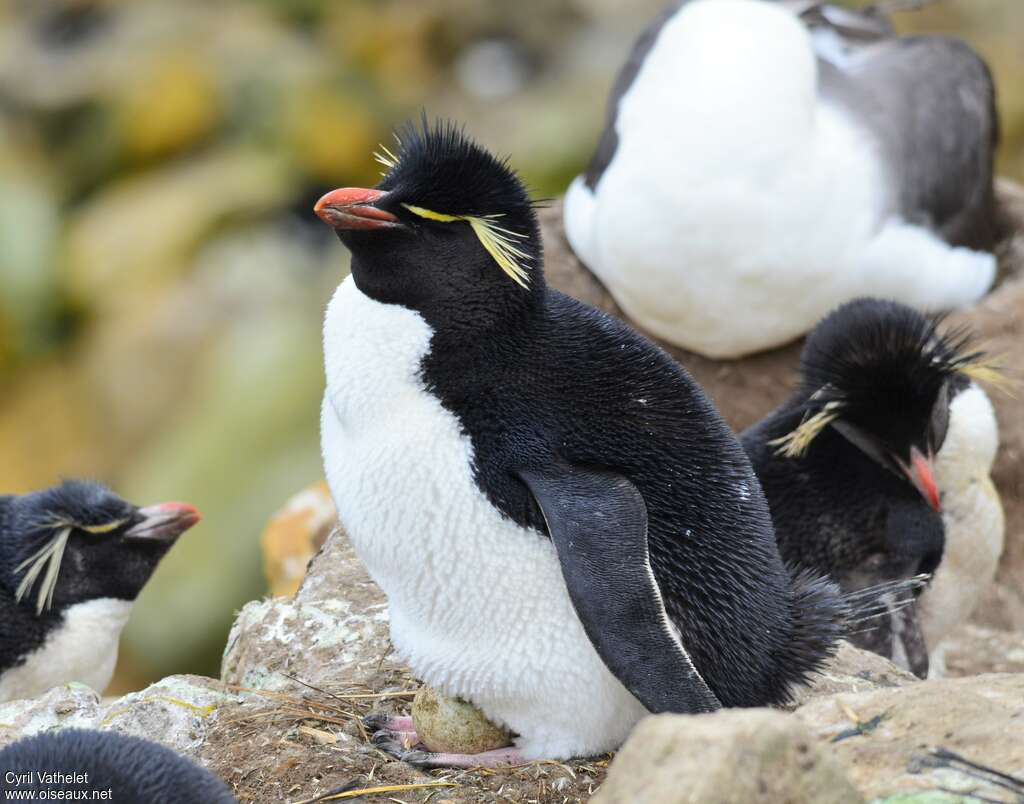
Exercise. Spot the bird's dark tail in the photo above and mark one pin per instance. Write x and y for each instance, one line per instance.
(822, 615)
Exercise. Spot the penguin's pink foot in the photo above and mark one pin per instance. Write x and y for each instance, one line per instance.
(397, 737)
(393, 743)
(375, 723)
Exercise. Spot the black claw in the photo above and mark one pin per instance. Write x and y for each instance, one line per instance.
(376, 721)
(381, 738)
(390, 744)
(422, 760)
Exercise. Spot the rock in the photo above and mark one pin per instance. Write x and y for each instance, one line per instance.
(883, 736)
(335, 629)
(175, 712)
(742, 756)
(854, 670)
(745, 390)
(71, 706)
(453, 726)
(294, 535)
(972, 650)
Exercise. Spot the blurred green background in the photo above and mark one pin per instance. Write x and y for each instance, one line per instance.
(162, 278)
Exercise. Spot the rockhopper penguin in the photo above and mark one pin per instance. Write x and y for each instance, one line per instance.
(73, 558)
(93, 762)
(887, 430)
(763, 162)
(568, 534)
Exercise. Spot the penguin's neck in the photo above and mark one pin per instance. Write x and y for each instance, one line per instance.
(972, 439)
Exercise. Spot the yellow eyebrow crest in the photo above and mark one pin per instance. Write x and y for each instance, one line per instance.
(99, 530)
(796, 443)
(430, 215)
(497, 240)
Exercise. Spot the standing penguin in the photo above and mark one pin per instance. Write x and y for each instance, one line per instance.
(568, 534)
(760, 166)
(94, 762)
(73, 558)
(887, 430)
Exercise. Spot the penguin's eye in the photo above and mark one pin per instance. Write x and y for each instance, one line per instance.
(100, 530)
(938, 423)
(502, 244)
(866, 443)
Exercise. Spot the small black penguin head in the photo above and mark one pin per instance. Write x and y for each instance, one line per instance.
(880, 374)
(78, 541)
(117, 766)
(448, 227)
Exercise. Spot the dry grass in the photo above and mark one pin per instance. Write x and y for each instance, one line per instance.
(308, 744)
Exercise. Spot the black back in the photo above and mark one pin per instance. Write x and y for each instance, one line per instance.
(539, 379)
(135, 770)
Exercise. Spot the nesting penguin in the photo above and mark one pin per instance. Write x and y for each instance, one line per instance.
(877, 468)
(765, 161)
(73, 558)
(81, 763)
(568, 534)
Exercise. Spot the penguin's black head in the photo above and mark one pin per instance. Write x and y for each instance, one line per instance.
(128, 768)
(881, 375)
(448, 228)
(78, 542)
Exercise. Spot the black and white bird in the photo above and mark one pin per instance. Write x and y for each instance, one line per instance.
(568, 534)
(82, 763)
(763, 162)
(73, 558)
(877, 468)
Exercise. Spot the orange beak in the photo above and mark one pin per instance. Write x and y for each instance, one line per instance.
(922, 475)
(164, 522)
(348, 208)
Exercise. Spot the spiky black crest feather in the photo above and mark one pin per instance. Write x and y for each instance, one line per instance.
(870, 344)
(881, 362)
(443, 169)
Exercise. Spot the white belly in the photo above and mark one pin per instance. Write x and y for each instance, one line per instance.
(477, 603)
(83, 649)
(973, 518)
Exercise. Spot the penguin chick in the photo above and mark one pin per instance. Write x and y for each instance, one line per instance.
(886, 430)
(568, 534)
(73, 558)
(760, 166)
(131, 768)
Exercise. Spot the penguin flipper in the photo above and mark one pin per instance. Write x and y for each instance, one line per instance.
(597, 521)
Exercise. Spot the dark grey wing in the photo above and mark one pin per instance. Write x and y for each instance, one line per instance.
(609, 140)
(598, 523)
(930, 102)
